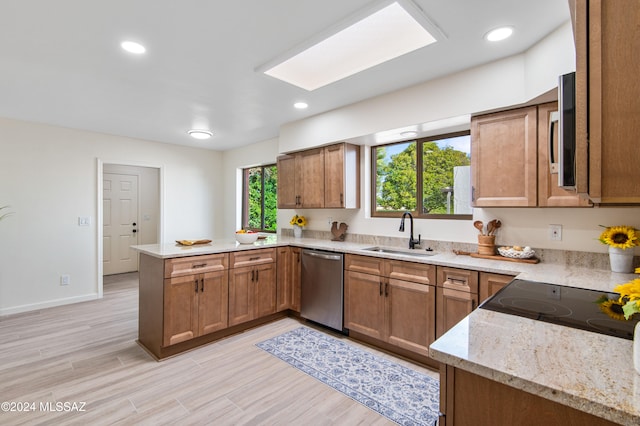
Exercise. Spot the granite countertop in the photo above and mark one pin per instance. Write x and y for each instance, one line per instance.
(585, 370)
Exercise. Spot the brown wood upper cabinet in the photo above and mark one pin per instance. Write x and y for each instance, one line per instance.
(510, 161)
(607, 37)
(327, 177)
(392, 301)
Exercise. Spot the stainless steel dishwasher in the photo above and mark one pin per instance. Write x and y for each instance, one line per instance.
(321, 296)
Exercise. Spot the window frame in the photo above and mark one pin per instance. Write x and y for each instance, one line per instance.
(245, 198)
(417, 213)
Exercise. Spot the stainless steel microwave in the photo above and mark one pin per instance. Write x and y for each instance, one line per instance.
(564, 164)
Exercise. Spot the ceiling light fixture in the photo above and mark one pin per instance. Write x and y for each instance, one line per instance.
(133, 47)
(370, 37)
(409, 134)
(200, 134)
(300, 105)
(499, 34)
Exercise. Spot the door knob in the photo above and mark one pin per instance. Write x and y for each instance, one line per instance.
(133, 224)
(135, 230)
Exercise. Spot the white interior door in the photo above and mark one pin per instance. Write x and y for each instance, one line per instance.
(120, 221)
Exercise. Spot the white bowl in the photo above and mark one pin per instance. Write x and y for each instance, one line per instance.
(247, 238)
(515, 254)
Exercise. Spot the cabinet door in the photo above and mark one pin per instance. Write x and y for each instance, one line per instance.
(264, 284)
(284, 276)
(296, 271)
(310, 174)
(490, 284)
(180, 309)
(504, 159)
(410, 313)
(334, 184)
(287, 195)
(213, 302)
(241, 294)
(451, 307)
(549, 193)
(364, 304)
(613, 107)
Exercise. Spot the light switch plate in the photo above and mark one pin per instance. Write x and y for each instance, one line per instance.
(84, 221)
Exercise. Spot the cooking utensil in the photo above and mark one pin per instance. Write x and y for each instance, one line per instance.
(497, 226)
(491, 226)
(479, 226)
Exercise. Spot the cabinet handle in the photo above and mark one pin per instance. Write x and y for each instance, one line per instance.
(341, 199)
(202, 285)
(458, 281)
(380, 288)
(386, 289)
(253, 274)
(199, 265)
(473, 193)
(254, 258)
(196, 286)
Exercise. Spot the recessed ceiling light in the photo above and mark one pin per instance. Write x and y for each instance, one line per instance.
(300, 105)
(133, 47)
(200, 134)
(409, 134)
(499, 34)
(365, 39)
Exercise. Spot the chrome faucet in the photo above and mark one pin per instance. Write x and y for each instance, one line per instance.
(412, 243)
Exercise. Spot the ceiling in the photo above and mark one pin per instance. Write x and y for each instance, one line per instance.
(61, 61)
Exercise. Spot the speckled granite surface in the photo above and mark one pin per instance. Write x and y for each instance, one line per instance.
(588, 371)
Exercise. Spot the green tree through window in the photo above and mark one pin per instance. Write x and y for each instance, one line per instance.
(437, 168)
(260, 198)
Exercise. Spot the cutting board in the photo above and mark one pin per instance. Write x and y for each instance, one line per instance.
(531, 260)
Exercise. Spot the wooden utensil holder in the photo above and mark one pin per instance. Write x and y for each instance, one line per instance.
(487, 244)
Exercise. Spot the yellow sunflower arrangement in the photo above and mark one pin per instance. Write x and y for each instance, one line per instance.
(623, 237)
(627, 304)
(298, 220)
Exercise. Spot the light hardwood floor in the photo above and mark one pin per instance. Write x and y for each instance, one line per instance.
(86, 353)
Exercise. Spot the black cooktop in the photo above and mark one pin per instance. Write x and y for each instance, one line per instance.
(568, 306)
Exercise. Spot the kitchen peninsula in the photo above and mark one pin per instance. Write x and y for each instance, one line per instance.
(581, 370)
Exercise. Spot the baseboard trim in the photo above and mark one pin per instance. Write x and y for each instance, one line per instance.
(47, 304)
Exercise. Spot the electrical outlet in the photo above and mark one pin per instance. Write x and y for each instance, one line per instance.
(555, 232)
(65, 279)
(329, 220)
(84, 221)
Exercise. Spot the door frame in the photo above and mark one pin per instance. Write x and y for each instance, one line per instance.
(99, 219)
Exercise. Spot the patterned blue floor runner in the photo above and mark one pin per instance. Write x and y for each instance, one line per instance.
(401, 394)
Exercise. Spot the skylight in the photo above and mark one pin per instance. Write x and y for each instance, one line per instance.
(388, 33)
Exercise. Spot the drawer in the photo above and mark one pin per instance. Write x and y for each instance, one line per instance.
(458, 279)
(195, 264)
(238, 259)
(410, 271)
(364, 264)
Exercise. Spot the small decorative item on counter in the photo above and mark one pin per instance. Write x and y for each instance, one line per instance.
(624, 308)
(517, 252)
(621, 241)
(339, 232)
(246, 237)
(487, 241)
(298, 222)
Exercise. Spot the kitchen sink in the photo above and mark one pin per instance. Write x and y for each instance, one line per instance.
(416, 253)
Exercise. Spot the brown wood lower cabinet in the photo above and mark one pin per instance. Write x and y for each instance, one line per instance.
(469, 399)
(252, 292)
(194, 305)
(288, 279)
(456, 296)
(490, 284)
(396, 306)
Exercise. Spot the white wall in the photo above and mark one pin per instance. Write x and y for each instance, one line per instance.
(233, 161)
(49, 177)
